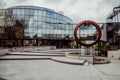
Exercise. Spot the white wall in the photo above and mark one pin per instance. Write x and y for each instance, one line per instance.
(4, 52)
(104, 33)
(114, 54)
(33, 48)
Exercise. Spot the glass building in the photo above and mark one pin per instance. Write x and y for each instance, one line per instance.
(34, 26)
(42, 26)
(43, 22)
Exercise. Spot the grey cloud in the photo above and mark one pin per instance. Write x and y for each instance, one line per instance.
(22, 0)
(76, 9)
(52, 1)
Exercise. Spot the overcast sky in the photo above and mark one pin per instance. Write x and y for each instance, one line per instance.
(77, 10)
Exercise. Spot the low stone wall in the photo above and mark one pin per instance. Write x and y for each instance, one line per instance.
(4, 52)
(33, 48)
(71, 50)
(69, 55)
(88, 58)
(78, 50)
(114, 54)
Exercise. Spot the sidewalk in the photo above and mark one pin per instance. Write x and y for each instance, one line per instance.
(51, 70)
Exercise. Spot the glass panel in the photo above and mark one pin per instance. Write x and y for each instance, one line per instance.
(27, 12)
(35, 12)
(26, 17)
(44, 13)
(31, 29)
(18, 17)
(22, 11)
(39, 35)
(35, 24)
(39, 18)
(67, 27)
(31, 12)
(39, 30)
(55, 15)
(47, 25)
(47, 31)
(35, 17)
(43, 18)
(42, 30)
(14, 11)
(39, 24)
(52, 14)
(43, 25)
(40, 12)
(51, 26)
(48, 14)
(48, 20)
(18, 11)
(31, 23)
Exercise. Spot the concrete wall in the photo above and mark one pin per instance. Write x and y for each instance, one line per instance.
(114, 54)
(33, 48)
(104, 33)
(87, 58)
(85, 51)
(4, 52)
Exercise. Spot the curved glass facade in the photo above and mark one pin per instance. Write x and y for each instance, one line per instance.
(40, 26)
(40, 22)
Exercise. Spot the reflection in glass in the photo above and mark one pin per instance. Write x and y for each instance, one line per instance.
(87, 33)
(41, 22)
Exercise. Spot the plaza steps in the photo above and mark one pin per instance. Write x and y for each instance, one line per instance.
(35, 54)
(17, 57)
(68, 60)
(56, 59)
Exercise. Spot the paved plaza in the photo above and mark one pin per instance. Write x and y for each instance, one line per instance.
(50, 70)
(39, 66)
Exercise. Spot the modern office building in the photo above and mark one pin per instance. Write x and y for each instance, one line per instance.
(32, 25)
(35, 26)
(113, 28)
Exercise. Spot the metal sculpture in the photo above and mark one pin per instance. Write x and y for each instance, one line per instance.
(87, 23)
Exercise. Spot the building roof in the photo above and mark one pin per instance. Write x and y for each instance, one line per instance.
(114, 12)
(37, 8)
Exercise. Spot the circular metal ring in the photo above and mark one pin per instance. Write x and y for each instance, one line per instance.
(87, 22)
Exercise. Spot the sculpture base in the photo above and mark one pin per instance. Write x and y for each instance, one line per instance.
(89, 58)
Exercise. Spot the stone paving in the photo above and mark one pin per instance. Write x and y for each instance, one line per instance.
(39, 70)
(50, 70)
